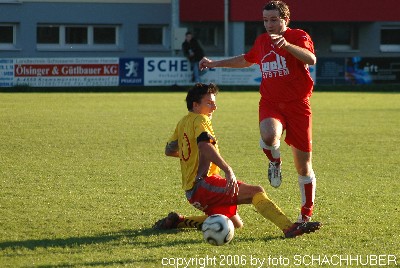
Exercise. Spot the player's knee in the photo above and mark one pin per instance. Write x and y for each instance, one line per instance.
(304, 170)
(238, 225)
(269, 140)
(258, 189)
(237, 221)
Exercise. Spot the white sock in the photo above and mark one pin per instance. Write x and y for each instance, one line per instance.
(275, 151)
(307, 198)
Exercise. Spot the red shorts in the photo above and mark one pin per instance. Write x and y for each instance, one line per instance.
(208, 195)
(296, 118)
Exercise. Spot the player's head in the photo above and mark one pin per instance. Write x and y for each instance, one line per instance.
(280, 6)
(201, 98)
(276, 16)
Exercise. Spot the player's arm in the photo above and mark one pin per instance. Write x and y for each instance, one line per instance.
(207, 154)
(234, 62)
(172, 149)
(300, 53)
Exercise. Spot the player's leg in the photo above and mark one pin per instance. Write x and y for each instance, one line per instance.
(307, 182)
(271, 131)
(269, 210)
(209, 196)
(237, 221)
(192, 221)
(299, 136)
(176, 221)
(253, 194)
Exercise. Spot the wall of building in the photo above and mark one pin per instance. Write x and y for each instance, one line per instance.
(194, 15)
(28, 15)
(310, 10)
(90, 1)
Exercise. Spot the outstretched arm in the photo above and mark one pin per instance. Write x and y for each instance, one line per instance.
(234, 62)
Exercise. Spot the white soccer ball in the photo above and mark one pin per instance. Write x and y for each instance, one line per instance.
(218, 230)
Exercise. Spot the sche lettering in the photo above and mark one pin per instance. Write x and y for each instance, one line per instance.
(168, 65)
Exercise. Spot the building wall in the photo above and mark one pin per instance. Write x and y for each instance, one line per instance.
(306, 10)
(318, 16)
(28, 14)
(193, 15)
(91, 1)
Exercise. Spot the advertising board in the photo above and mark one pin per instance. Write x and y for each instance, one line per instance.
(65, 72)
(169, 71)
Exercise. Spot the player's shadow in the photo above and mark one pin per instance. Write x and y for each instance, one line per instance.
(130, 236)
(252, 239)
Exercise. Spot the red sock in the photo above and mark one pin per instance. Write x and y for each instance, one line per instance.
(268, 153)
(307, 208)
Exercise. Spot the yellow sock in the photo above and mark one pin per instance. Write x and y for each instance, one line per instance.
(270, 211)
(192, 222)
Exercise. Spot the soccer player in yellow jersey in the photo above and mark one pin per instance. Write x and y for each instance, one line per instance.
(195, 144)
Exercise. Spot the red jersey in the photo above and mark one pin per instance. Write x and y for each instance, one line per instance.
(284, 78)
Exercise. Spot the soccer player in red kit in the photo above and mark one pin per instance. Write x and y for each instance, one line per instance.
(283, 55)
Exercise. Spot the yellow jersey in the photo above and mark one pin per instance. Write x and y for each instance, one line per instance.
(187, 131)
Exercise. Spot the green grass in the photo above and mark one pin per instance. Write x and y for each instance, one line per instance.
(83, 177)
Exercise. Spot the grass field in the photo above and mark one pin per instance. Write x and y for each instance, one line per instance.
(83, 177)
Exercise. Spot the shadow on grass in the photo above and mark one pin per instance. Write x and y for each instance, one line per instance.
(126, 262)
(252, 239)
(130, 236)
(99, 263)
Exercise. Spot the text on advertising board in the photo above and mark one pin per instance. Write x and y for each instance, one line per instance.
(65, 70)
(168, 65)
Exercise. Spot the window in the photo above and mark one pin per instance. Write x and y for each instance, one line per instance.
(7, 36)
(207, 36)
(344, 37)
(104, 35)
(210, 36)
(48, 34)
(151, 35)
(252, 31)
(390, 39)
(77, 37)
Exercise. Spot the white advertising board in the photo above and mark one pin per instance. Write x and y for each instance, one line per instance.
(170, 71)
(166, 71)
(6, 72)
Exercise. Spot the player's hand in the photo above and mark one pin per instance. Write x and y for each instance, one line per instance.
(278, 40)
(232, 187)
(205, 63)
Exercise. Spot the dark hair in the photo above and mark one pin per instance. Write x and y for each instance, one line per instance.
(197, 92)
(282, 7)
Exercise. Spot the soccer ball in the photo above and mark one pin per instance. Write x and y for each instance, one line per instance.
(218, 230)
